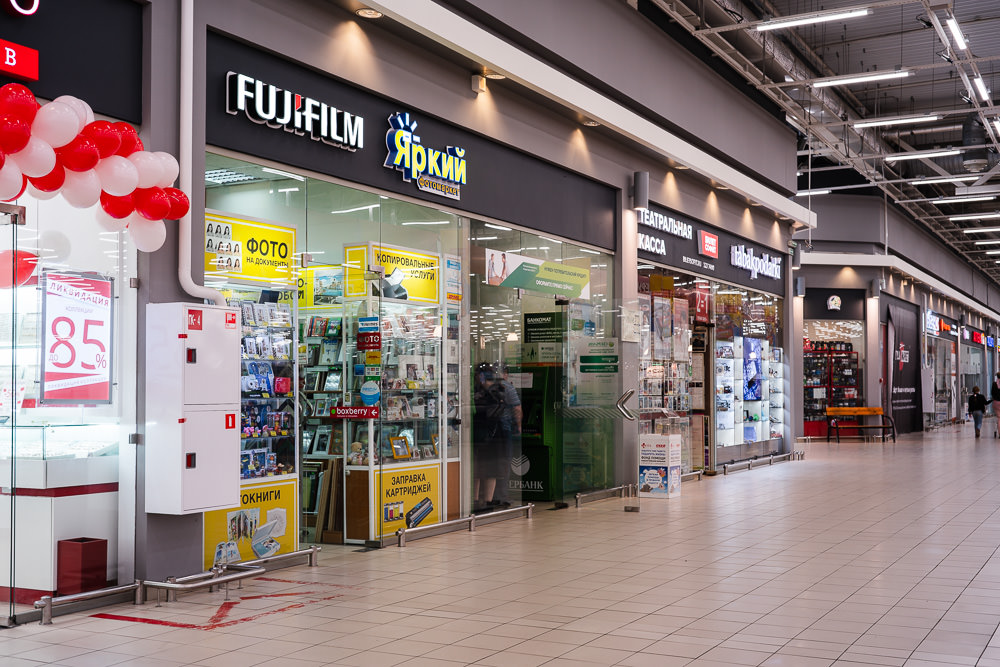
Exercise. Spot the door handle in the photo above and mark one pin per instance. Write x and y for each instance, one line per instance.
(620, 404)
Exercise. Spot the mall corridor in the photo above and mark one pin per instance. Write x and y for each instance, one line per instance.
(862, 554)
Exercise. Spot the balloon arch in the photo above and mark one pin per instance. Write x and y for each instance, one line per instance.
(58, 148)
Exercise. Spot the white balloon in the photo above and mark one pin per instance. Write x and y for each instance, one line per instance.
(11, 180)
(109, 223)
(119, 176)
(149, 166)
(36, 159)
(82, 189)
(148, 235)
(40, 194)
(83, 110)
(57, 124)
(54, 245)
(170, 169)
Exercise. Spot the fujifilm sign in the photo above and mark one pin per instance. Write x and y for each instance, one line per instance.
(765, 264)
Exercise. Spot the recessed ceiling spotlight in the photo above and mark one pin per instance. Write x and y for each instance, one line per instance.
(496, 76)
(369, 13)
(589, 122)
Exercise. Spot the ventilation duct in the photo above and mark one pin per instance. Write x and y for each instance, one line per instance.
(974, 134)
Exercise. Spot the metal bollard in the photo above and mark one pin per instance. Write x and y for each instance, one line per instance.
(140, 592)
(46, 610)
(313, 560)
(531, 509)
(401, 536)
(578, 501)
(171, 594)
(472, 523)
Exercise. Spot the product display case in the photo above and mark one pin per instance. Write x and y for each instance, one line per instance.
(749, 398)
(728, 396)
(774, 370)
(831, 378)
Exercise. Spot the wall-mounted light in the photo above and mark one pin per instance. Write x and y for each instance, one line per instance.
(640, 190)
(478, 83)
(800, 286)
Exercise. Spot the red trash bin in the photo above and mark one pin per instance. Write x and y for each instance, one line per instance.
(81, 565)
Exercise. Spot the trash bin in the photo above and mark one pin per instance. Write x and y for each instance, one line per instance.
(81, 565)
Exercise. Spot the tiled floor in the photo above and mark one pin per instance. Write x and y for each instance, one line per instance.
(859, 555)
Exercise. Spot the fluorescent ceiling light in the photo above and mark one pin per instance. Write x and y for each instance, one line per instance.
(288, 189)
(956, 33)
(981, 87)
(996, 124)
(951, 179)
(356, 209)
(921, 155)
(811, 193)
(548, 239)
(484, 238)
(861, 78)
(589, 252)
(903, 120)
(278, 172)
(987, 242)
(817, 18)
(963, 200)
(500, 227)
(429, 222)
(993, 252)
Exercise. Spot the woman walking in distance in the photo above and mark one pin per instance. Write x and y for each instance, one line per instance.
(977, 405)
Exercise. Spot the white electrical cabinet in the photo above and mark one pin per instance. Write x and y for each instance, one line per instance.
(192, 408)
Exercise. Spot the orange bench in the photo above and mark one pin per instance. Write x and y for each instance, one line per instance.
(836, 416)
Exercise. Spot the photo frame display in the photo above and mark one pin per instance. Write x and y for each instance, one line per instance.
(400, 447)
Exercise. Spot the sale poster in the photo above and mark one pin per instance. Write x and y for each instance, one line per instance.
(77, 337)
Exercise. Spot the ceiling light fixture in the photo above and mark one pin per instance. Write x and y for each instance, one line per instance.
(812, 193)
(981, 87)
(500, 227)
(996, 124)
(369, 13)
(496, 76)
(993, 252)
(938, 181)
(922, 155)
(429, 222)
(977, 230)
(861, 78)
(791, 22)
(903, 120)
(956, 33)
(987, 242)
(285, 174)
(590, 123)
(962, 200)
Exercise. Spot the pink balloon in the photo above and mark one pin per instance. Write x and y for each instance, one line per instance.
(56, 124)
(170, 169)
(148, 235)
(150, 168)
(11, 180)
(41, 195)
(36, 159)
(82, 109)
(82, 189)
(118, 175)
(109, 223)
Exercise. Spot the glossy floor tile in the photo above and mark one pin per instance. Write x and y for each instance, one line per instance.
(862, 554)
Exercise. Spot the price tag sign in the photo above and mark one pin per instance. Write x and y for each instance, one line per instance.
(77, 338)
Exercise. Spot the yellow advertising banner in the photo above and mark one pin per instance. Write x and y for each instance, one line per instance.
(409, 275)
(265, 523)
(247, 250)
(408, 497)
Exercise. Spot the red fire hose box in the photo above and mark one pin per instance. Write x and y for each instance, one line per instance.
(81, 565)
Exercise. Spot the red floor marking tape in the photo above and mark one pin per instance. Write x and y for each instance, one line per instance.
(151, 621)
(305, 583)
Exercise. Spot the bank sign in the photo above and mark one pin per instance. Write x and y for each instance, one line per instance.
(668, 237)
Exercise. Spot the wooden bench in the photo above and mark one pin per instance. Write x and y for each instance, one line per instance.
(835, 417)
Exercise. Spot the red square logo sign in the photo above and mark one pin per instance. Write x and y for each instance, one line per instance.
(194, 320)
(18, 61)
(230, 320)
(708, 244)
(231, 420)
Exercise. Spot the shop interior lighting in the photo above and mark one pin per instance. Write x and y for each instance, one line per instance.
(993, 252)
(284, 174)
(500, 227)
(369, 13)
(861, 78)
(227, 176)
(589, 252)
(984, 93)
(288, 189)
(963, 200)
(902, 120)
(956, 33)
(791, 22)
(427, 222)
(812, 193)
(950, 179)
(922, 155)
(546, 238)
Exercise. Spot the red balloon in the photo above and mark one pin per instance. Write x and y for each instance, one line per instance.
(16, 100)
(16, 267)
(24, 186)
(104, 135)
(117, 207)
(81, 154)
(14, 133)
(129, 138)
(179, 204)
(51, 181)
(151, 203)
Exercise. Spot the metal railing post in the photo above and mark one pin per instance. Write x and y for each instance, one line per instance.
(531, 510)
(171, 594)
(472, 523)
(140, 593)
(313, 560)
(401, 537)
(46, 610)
